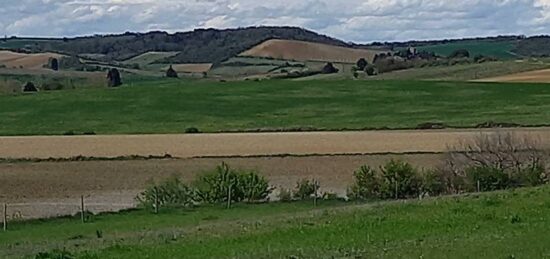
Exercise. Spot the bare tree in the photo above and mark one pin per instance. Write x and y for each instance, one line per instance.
(507, 152)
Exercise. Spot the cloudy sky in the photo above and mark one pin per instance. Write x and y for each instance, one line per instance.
(352, 20)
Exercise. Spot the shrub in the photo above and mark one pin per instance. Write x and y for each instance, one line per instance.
(489, 178)
(329, 69)
(305, 189)
(170, 193)
(366, 186)
(254, 187)
(400, 177)
(433, 183)
(528, 177)
(214, 187)
(192, 130)
(52, 84)
(29, 87)
(371, 70)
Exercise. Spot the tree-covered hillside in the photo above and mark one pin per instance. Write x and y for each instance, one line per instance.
(198, 46)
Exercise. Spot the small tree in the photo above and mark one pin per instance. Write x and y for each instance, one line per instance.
(30, 87)
(399, 180)
(171, 73)
(366, 185)
(54, 64)
(305, 189)
(113, 78)
(362, 63)
(371, 70)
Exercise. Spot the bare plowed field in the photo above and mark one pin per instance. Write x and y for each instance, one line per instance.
(308, 51)
(538, 76)
(28, 61)
(245, 144)
(48, 189)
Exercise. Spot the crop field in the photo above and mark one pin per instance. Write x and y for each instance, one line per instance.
(307, 51)
(508, 224)
(27, 61)
(466, 72)
(149, 57)
(171, 106)
(498, 49)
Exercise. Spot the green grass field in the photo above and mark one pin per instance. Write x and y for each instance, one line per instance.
(510, 224)
(171, 106)
(498, 49)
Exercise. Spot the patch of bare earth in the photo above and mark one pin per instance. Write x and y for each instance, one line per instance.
(538, 76)
(46, 189)
(309, 51)
(27, 61)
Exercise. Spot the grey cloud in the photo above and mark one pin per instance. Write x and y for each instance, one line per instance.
(354, 20)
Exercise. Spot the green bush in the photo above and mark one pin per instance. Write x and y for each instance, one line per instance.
(254, 187)
(528, 177)
(366, 186)
(433, 183)
(401, 177)
(305, 189)
(170, 193)
(214, 187)
(489, 178)
(192, 130)
(371, 70)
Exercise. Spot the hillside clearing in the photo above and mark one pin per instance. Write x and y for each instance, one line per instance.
(150, 57)
(308, 51)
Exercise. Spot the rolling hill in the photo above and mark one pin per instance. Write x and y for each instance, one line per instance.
(309, 51)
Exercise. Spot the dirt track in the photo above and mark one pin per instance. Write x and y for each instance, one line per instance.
(253, 144)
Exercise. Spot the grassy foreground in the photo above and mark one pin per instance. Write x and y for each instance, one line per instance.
(171, 106)
(510, 224)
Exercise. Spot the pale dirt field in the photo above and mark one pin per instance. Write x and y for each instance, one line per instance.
(46, 189)
(27, 61)
(191, 68)
(40, 189)
(246, 144)
(308, 51)
(538, 76)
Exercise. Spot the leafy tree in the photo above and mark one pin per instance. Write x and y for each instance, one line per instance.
(362, 63)
(171, 73)
(366, 185)
(113, 78)
(54, 64)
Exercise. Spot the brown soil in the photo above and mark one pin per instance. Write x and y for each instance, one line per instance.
(27, 61)
(246, 144)
(539, 76)
(191, 68)
(308, 51)
(54, 188)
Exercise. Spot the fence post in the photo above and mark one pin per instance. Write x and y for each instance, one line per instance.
(156, 200)
(396, 190)
(5, 217)
(478, 186)
(82, 217)
(229, 196)
(314, 193)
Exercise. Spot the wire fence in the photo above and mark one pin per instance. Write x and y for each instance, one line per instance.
(17, 212)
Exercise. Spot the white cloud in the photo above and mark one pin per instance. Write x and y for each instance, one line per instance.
(354, 20)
